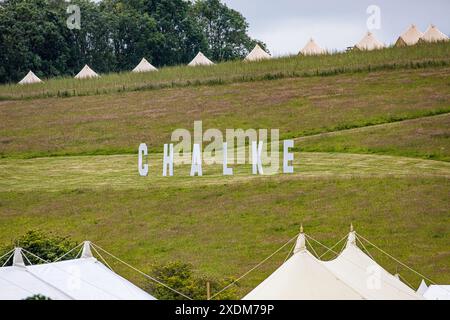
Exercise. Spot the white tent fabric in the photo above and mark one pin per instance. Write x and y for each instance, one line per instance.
(257, 54)
(433, 34)
(422, 288)
(86, 73)
(369, 42)
(437, 292)
(144, 66)
(78, 279)
(366, 276)
(30, 78)
(410, 37)
(312, 48)
(200, 60)
(303, 277)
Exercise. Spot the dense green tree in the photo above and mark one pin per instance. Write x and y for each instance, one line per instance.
(225, 30)
(114, 35)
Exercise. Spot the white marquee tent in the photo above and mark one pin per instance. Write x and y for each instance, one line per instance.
(437, 292)
(352, 275)
(78, 279)
(410, 37)
(366, 276)
(433, 34)
(144, 66)
(312, 48)
(86, 73)
(303, 277)
(200, 60)
(257, 54)
(369, 42)
(30, 78)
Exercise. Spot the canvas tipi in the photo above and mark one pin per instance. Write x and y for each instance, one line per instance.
(30, 78)
(257, 54)
(433, 34)
(369, 42)
(86, 73)
(312, 48)
(410, 37)
(200, 60)
(144, 66)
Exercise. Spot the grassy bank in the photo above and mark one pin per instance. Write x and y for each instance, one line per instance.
(420, 56)
(116, 124)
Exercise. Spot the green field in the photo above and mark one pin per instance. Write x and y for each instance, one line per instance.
(372, 149)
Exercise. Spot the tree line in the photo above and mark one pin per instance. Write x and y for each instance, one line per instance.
(114, 35)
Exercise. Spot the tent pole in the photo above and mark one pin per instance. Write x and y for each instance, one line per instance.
(208, 290)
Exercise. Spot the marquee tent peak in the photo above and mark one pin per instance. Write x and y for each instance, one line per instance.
(200, 60)
(86, 253)
(300, 245)
(422, 287)
(18, 258)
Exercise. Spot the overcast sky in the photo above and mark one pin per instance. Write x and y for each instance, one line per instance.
(286, 25)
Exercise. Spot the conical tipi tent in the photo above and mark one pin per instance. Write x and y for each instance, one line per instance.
(369, 42)
(410, 37)
(367, 277)
(144, 66)
(433, 34)
(303, 277)
(312, 48)
(86, 73)
(257, 54)
(30, 78)
(200, 60)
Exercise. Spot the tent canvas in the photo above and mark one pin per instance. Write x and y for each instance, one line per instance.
(257, 54)
(410, 37)
(369, 42)
(433, 34)
(312, 48)
(200, 60)
(144, 66)
(30, 78)
(437, 292)
(78, 279)
(366, 276)
(303, 277)
(422, 288)
(86, 73)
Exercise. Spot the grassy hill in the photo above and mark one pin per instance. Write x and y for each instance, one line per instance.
(372, 148)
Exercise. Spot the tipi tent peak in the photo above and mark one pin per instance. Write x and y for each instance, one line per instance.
(410, 37)
(144, 66)
(200, 60)
(422, 287)
(369, 42)
(30, 78)
(312, 48)
(86, 73)
(257, 54)
(433, 34)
